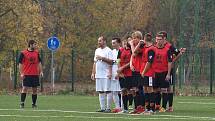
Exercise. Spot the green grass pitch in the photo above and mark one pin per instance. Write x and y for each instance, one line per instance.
(82, 108)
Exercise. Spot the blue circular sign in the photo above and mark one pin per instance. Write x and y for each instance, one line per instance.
(53, 43)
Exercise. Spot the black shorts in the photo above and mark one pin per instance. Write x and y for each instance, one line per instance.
(31, 81)
(136, 77)
(126, 82)
(148, 81)
(160, 80)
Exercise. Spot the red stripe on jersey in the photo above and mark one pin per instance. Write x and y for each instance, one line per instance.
(125, 56)
(30, 62)
(145, 51)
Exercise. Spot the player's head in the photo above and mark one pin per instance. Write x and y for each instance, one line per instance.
(164, 33)
(32, 44)
(160, 40)
(102, 41)
(136, 37)
(148, 37)
(125, 43)
(116, 42)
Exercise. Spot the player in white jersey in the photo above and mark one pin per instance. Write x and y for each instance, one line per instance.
(115, 85)
(102, 73)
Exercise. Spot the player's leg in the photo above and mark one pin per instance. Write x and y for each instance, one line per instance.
(170, 91)
(147, 99)
(151, 94)
(130, 96)
(140, 94)
(109, 95)
(116, 102)
(102, 95)
(124, 84)
(35, 84)
(26, 82)
(157, 91)
(108, 90)
(130, 100)
(164, 87)
(134, 89)
(102, 98)
(152, 99)
(170, 98)
(115, 89)
(23, 96)
(137, 96)
(34, 97)
(125, 99)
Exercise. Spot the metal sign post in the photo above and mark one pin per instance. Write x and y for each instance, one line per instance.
(53, 44)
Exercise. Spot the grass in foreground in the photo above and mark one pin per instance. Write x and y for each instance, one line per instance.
(79, 108)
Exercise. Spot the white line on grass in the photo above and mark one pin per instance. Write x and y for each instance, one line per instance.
(196, 99)
(201, 103)
(91, 117)
(80, 112)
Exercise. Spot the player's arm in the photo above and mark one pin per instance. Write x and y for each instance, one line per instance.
(137, 49)
(119, 71)
(132, 46)
(109, 72)
(40, 66)
(93, 71)
(169, 58)
(131, 65)
(151, 55)
(181, 52)
(106, 60)
(21, 57)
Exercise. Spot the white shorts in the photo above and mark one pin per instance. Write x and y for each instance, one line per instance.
(103, 84)
(115, 86)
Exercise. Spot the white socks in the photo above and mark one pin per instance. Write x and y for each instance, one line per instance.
(109, 100)
(116, 99)
(102, 100)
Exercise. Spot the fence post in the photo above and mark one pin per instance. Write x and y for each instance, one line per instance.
(211, 71)
(41, 78)
(72, 69)
(15, 57)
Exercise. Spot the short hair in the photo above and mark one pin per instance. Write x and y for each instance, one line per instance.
(137, 34)
(118, 40)
(103, 38)
(31, 42)
(164, 33)
(160, 35)
(148, 36)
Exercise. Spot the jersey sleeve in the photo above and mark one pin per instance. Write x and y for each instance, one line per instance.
(174, 50)
(119, 54)
(39, 58)
(151, 55)
(21, 57)
(169, 56)
(95, 56)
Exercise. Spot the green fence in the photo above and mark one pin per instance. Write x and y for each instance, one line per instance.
(69, 68)
(195, 72)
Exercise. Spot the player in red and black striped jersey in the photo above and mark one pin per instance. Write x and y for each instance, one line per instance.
(135, 65)
(30, 68)
(124, 73)
(147, 71)
(162, 67)
(176, 55)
